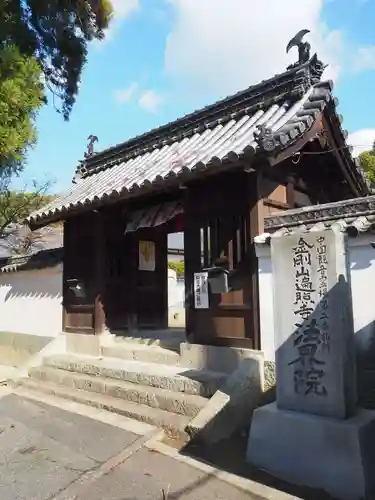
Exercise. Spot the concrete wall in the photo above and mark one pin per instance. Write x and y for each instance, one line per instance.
(362, 266)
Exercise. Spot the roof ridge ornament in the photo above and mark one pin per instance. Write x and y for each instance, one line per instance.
(265, 139)
(304, 48)
(81, 170)
(90, 146)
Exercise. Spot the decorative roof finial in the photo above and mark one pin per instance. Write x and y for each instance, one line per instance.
(90, 147)
(303, 47)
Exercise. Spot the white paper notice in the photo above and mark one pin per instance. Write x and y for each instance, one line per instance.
(201, 291)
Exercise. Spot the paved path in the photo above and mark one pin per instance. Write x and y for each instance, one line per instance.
(48, 453)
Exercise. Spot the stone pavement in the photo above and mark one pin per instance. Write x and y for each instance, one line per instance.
(49, 453)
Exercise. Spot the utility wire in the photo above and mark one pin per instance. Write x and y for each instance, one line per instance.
(298, 155)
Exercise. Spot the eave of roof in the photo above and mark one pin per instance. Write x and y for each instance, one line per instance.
(354, 216)
(268, 117)
(327, 213)
(40, 260)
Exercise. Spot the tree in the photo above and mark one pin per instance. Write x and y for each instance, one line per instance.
(178, 266)
(367, 163)
(15, 207)
(56, 33)
(21, 95)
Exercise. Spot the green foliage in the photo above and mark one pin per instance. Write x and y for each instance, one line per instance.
(21, 95)
(367, 163)
(16, 206)
(178, 266)
(56, 33)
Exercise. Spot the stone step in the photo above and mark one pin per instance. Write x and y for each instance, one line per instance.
(173, 378)
(169, 339)
(163, 399)
(143, 353)
(174, 425)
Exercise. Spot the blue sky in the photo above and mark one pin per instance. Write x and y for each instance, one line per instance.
(164, 58)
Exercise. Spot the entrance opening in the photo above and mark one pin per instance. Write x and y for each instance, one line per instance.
(176, 281)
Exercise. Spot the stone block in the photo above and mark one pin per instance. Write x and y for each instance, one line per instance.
(269, 382)
(79, 343)
(17, 348)
(173, 378)
(231, 407)
(209, 357)
(335, 455)
(164, 399)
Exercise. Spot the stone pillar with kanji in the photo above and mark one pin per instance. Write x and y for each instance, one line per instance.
(314, 426)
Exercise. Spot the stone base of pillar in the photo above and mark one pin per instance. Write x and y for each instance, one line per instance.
(337, 456)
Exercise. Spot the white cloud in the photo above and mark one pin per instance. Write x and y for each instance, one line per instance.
(364, 58)
(227, 45)
(362, 140)
(150, 101)
(122, 9)
(124, 95)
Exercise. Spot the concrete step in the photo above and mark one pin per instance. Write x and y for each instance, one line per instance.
(143, 353)
(174, 425)
(163, 399)
(173, 378)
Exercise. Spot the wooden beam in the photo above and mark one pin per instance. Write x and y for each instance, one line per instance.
(276, 204)
(336, 153)
(297, 146)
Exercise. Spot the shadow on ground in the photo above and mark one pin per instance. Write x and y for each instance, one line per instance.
(230, 455)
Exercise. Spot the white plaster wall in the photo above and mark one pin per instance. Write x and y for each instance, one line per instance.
(362, 270)
(266, 302)
(176, 290)
(362, 266)
(31, 302)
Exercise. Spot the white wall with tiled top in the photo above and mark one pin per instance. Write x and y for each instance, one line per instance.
(362, 273)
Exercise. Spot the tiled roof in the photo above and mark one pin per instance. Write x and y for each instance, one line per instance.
(354, 216)
(39, 260)
(45, 250)
(267, 117)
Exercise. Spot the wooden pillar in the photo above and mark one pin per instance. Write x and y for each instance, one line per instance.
(100, 275)
(192, 253)
(256, 228)
(132, 241)
(290, 192)
(64, 311)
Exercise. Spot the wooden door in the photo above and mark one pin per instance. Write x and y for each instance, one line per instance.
(151, 278)
(118, 268)
(218, 231)
(134, 298)
(80, 247)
